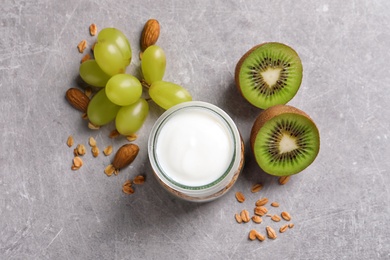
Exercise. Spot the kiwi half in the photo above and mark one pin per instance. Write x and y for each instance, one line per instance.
(284, 140)
(269, 74)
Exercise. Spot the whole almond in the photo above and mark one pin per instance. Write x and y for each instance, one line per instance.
(125, 155)
(150, 33)
(77, 99)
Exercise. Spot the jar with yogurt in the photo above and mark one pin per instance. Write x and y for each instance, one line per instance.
(196, 151)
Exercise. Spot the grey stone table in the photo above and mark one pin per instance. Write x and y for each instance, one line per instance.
(339, 205)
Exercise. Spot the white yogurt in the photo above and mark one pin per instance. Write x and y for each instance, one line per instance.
(194, 147)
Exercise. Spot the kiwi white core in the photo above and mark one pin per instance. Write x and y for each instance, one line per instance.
(287, 144)
(271, 75)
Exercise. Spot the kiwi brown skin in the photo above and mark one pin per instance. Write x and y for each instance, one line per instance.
(270, 113)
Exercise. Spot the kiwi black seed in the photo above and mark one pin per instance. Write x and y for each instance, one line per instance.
(269, 74)
(284, 140)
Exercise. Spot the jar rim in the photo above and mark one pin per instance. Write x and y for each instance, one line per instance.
(225, 119)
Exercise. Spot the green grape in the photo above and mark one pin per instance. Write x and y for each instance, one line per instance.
(130, 119)
(153, 64)
(167, 94)
(109, 58)
(123, 89)
(92, 74)
(114, 35)
(101, 110)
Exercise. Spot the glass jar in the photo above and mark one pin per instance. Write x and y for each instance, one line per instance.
(196, 151)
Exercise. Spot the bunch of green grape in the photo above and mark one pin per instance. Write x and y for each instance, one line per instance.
(120, 97)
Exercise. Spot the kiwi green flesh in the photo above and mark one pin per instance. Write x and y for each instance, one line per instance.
(274, 59)
(286, 144)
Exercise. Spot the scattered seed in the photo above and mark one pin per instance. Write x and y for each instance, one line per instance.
(92, 141)
(257, 219)
(238, 218)
(93, 46)
(92, 126)
(128, 189)
(139, 179)
(245, 216)
(271, 232)
(283, 228)
(109, 170)
(286, 216)
(275, 218)
(256, 188)
(93, 29)
(260, 237)
(262, 202)
(80, 149)
(261, 210)
(283, 180)
(95, 151)
(114, 134)
(240, 197)
(77, 162)
(82, 46)
(85, 58)
(252, 234)
(275, 204)
(84, 116)
(131, 137)
(108, 150)
(70, 141)
(291, 225)
(127, 183)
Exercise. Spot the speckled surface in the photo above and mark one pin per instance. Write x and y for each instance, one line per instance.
(339, 205)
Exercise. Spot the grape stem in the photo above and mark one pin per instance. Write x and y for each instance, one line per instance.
(145, 84)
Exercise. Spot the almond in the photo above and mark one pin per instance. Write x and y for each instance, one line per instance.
(150, 33)
(77, 99)
(125, 155)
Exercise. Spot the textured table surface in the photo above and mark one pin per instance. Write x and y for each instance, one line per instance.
(339, 205)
